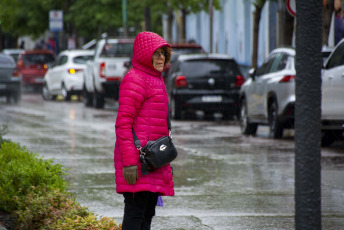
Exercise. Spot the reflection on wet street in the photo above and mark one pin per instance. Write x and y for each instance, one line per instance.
(222, 179)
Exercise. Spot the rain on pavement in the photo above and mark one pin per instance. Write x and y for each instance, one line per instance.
(222, 180)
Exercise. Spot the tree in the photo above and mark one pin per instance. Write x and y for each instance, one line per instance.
(258, 4)
(327, 10)
(26, 17)
(187, 7)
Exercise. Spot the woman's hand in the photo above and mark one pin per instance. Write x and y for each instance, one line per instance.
(131, 174)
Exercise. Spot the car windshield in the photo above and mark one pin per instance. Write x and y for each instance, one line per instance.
(117, 50)
(82, 59)
(32, 59)
(194, 68)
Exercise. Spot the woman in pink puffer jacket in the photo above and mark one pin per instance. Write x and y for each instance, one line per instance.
(143, 107)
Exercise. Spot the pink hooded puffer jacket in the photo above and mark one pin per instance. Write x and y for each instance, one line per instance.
(143, 106)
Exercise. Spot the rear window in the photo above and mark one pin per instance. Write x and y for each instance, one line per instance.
(82, 59)
(117, 50)
(32, 59)
(194, 68)
(6, 61)
(189, 50)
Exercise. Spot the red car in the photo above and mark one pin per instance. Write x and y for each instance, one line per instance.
(33, 65)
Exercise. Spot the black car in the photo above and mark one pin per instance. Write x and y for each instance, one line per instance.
(9, 79)
(208, 82)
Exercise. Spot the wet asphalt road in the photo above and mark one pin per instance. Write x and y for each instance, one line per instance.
(222, 179)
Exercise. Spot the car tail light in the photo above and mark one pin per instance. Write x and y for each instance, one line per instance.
(181, 82)
(45, 66)
(239, 81)
(102, 70)
(20, 63)
(287, 78)
(73, 71)
(16, 72)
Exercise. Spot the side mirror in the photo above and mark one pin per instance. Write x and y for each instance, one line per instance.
(127, 64)
(252, 73)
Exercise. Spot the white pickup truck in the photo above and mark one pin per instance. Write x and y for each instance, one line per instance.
(104, 72)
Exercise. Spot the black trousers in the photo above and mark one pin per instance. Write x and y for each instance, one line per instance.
(139, 210)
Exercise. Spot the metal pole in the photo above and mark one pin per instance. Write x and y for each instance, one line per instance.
(124, 14)
(210, 26)
(307, 115)
(57, 44)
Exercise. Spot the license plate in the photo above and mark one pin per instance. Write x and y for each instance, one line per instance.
(211, 98)
(2, 86)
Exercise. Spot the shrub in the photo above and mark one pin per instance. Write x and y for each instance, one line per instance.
(34, 190)
(52, 209)
(20, 170)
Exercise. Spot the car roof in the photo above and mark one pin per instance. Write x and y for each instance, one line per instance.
(186, 57)
(77, 52)
(12, 51)
(185, 45)
(118, 40)
(288, 50)
(37, 52)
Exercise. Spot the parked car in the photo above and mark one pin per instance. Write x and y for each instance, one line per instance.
(332, 109)
(9, 79)
(65, 75)
(181, 48)
(268, 96)
(33, 64)
(208, 82)
(325, 53)
(177, 49)
(13, 52)
(104, 73)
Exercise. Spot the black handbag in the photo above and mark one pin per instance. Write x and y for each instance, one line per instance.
(158, 153)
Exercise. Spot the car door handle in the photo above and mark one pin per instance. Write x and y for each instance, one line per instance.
(330, 77)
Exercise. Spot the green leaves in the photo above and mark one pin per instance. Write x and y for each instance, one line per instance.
(35, 191)
(20, 170)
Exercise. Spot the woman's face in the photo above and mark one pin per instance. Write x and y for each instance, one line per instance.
(159, 59)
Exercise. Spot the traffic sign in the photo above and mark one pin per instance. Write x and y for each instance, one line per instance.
(291, 7)
(56, 20)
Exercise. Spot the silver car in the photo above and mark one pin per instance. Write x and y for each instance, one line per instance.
(10, 81)
(332, 106)
(268, 96)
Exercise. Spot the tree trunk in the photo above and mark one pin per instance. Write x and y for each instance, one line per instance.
(170, 23)
(287, 38)
(256, 20)
(327, 11)
(183, 25)
(148, 26)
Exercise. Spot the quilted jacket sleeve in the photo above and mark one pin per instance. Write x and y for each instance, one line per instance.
(131, 97)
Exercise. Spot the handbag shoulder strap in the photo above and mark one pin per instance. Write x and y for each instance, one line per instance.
(137, 142)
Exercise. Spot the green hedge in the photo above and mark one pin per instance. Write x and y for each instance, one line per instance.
(21, 170)
(35, 191)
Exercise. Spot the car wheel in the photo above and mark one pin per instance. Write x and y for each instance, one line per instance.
(16, 97)
(275, 127)
(87, 97)
(327, 138)
(46, 93)
(247, 128)
(65, 93)
(175, 109)
(98, 100)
